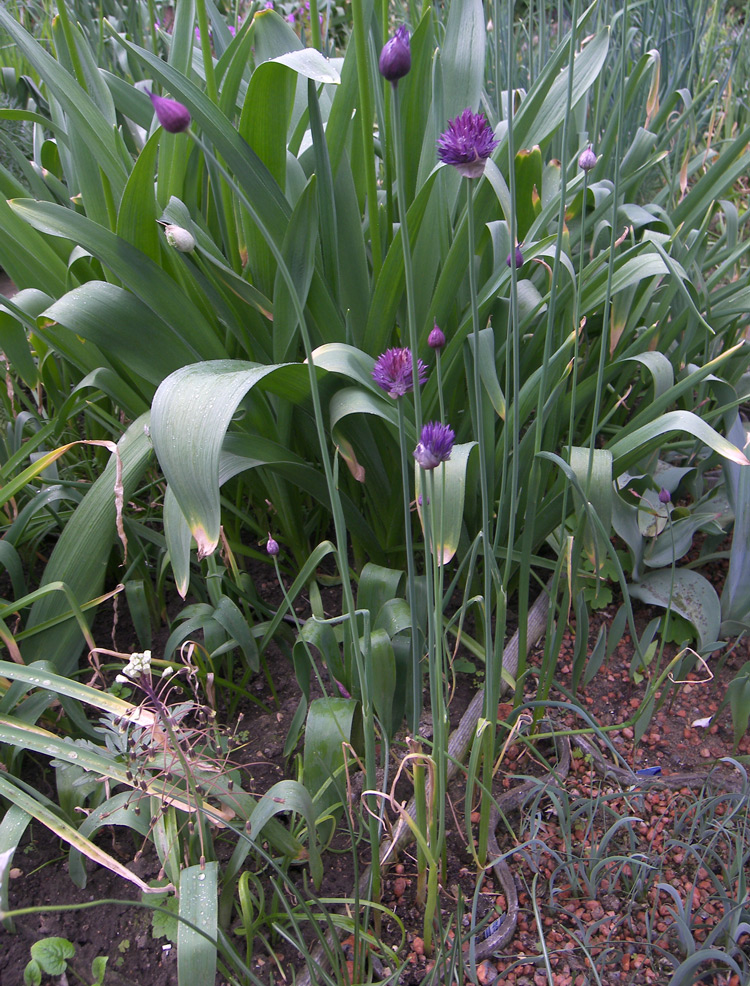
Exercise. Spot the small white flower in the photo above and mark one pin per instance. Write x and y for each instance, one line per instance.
(122, 679)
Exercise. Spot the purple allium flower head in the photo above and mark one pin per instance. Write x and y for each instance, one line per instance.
(272, 546)
(173, 116)
(435, 445)
(587, 160)
(436, 338)
(519, 259)
(393, 372)
(665, 496)
(395, 58)
(291, 17)
(467, 143)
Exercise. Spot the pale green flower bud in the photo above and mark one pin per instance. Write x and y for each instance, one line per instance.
(179, 238)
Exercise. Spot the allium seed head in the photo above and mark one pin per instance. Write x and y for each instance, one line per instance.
(467, 143)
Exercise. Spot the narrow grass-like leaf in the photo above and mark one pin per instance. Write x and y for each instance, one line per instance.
(81, 554)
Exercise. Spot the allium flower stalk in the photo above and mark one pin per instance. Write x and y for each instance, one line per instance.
(467, 143)
(393, 372)
(395, 58)
(435, 445)
(173, 116)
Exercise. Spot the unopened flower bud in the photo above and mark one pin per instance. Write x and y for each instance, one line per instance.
(436, 338)
(395, 58)
(179, 238)
(587, 160)
(519, 259)
(173, 116)
(272, 546)
(665, 496)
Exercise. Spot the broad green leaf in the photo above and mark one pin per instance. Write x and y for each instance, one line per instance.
(12, 827)
(660, 369)
(106, 314)
(41, 675)
(298, 249)
(145, 278)
(26, 256)
(191, 412)
(14, 340)
(632, 446)
(137, 215)
(290, 796)
(198, 925)
(310, 64)
(117, 810)
(462, 57)
(444, 489)
(377, 586)
(384, 680)
(329, 726)
(599, 489)
(543, 109)
(687, 593)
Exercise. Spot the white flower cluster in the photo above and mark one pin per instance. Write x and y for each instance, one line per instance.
(137, 665)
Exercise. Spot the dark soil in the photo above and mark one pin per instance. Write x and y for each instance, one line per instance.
(123, 931)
